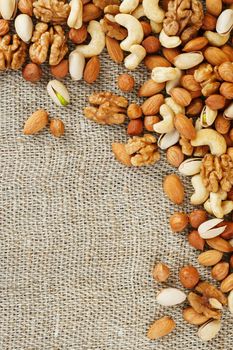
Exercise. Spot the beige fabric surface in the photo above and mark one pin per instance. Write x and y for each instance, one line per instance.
(80, 233)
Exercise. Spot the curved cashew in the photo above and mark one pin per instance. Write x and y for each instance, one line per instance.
(139, 12)
(162, 74)
(216, 203)
(153, 11)
(226, 207)
(213, 139)
(177, 109)
(216, 39)
(167, 124)
(135, 31)
(169, 41)
(201, 193)
(128, 6)
(76, 65)
(175, 82)
(97, 43)
(75, 19)
(156, 27)
(138, 53)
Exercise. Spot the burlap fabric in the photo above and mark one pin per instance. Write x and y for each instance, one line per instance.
(80, 233)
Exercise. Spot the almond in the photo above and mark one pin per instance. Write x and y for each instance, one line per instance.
(36, 122)
(161, 327)
(120, 153)
(209, 22)
(196, 44)
(214, 7)
(188, 82)
(220, 244)
(170, 54)
(57, 127)
(150, 88)
(181, 96)
(175, 156)
(228, 50)
(178, 222)
(215, 101)
(193, 317)
(227, 284)
(92, 70)
(25, 6)
(174, 188)
(146, 28)
(210, 257)
(91, 12)
(156, 61)
(220, 271)
(189, 276)
(222, 125)
(185, 126)
(152, 105)
(151, 44)
(114, 49)
(225, 70)
(195, 240)
(215, 56)
(135, 127)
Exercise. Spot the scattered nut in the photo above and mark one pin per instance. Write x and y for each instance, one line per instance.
(32, 72)
(178, 221)
(36, 122)
(126, 82)
(189, 276)
(197, 217)
(57, 127)
(161, 272)
(61, 70)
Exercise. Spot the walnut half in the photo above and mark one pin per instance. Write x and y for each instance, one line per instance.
(13, 52)
(54, 11)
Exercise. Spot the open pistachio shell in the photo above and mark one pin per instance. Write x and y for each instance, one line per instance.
(8, 8)
(209, 330)
(208, 116)
(58, 92)
(191, 166)
(167, 140)
(24, 27)
(225, 22)
(228, 113)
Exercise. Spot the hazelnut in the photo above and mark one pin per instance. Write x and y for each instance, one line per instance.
(209, 22)
(197, 217)
(149, 121)
(125, 82)
(151, 44)
(134, 111)
(189, 276)
(78, 36)
(32, 72)
(195, 240)
(135, 127)
(57, 127)
(146, 28)
(161, 272)
(4, 27)
(220, 271)
(175, 156)
(61, 70)
(178, 222)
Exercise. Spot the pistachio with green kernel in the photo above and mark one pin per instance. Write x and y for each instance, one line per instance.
(58, 92)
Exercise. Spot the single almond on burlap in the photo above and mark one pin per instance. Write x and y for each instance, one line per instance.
(121, 154)
(92, 70)
(161, 327)
(36, 122)
(185, 126)
(57, 127)
(174, 188)
(114, 49)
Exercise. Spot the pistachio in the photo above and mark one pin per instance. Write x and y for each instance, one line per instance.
(24, 27)
(228, 113)
(225, 22)
(207, 229)
(216, 39)
(8, 8)
(167, 140)
(209, 330)
(58, 92)
(191, 166)
(208, 116)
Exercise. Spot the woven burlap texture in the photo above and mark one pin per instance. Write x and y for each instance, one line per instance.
(80, 233)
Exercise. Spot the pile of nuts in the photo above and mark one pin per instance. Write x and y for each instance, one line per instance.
(188, 105)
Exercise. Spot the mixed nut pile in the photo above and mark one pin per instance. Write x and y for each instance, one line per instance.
(187, 112)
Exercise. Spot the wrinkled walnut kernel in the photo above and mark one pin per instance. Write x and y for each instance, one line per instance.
(13, 52)
(54, 11)
(143, 150)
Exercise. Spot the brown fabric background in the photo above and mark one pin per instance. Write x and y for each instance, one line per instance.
(80, 233)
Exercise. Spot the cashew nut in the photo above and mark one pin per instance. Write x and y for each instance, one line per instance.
(128, 6)
(139, 12)
(175, 82)
(226, 207)
(169, 41)
(167, 124)
(156, 27)
(216, 39)
(97, 43)
(162, 74)
(134, 27)
(76, 65)
(201, 193)
(153, 11)
(177, 109)
(75, 19)
(213, 139)
(135, 58)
